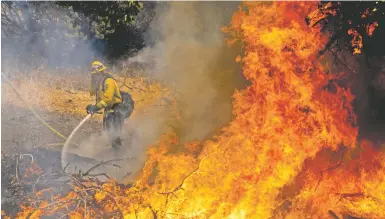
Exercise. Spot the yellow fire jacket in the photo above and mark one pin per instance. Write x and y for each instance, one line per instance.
(109, 94)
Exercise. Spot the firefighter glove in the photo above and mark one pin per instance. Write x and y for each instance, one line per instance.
(92, 109)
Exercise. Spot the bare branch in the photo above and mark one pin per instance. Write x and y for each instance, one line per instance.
(99, 174)
(154, 213)
(331, 213)
(181, 184)
(336, 58)
(106, 162)
(327, 169)
(17, 171)
(49, 205)
(22, 156)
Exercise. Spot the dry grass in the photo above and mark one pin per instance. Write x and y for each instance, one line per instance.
(67, 94)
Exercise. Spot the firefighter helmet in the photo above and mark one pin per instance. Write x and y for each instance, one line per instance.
(97, 67)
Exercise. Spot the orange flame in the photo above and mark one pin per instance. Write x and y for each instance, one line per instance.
(356, 41)
(277, 158)
(370, 28)
(286, 116)
(33, 171)
(322, 13)
(365, 13)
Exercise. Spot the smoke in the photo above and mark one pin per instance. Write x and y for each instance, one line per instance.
(38, 39)
(43, 34)
(187, 52)
(367, 83)
(140, 131)
(369, 89)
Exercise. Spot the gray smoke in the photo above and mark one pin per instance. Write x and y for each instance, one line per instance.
(187, 52)
(42, 34)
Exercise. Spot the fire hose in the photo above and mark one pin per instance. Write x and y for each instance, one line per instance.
(33, 111)
(64, 153)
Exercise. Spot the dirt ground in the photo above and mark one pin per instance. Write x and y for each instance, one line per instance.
(22, 133)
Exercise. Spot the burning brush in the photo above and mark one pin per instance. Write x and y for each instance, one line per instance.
(290, 152)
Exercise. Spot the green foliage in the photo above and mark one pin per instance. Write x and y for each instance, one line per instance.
(106, 17)
(55, 31)
(35, 30)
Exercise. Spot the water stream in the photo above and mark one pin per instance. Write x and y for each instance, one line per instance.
(64, 154)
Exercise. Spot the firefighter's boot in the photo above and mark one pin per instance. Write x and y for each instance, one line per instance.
(117, 143)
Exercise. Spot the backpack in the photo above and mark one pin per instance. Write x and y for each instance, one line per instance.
(127, 105)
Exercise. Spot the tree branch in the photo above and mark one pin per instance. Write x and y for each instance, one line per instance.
(106, 162)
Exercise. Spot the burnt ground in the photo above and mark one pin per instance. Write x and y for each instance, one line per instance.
(23, 133)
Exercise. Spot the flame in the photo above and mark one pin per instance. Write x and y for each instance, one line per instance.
(365, 13)
(33, 171)
(353, 184)
(321, 13)
(289, 152)
(356, 41)
(370, 28)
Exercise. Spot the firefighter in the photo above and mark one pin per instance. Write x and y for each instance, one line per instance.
(108, 97)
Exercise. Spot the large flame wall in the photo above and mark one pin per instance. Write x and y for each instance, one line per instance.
(291, 111)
